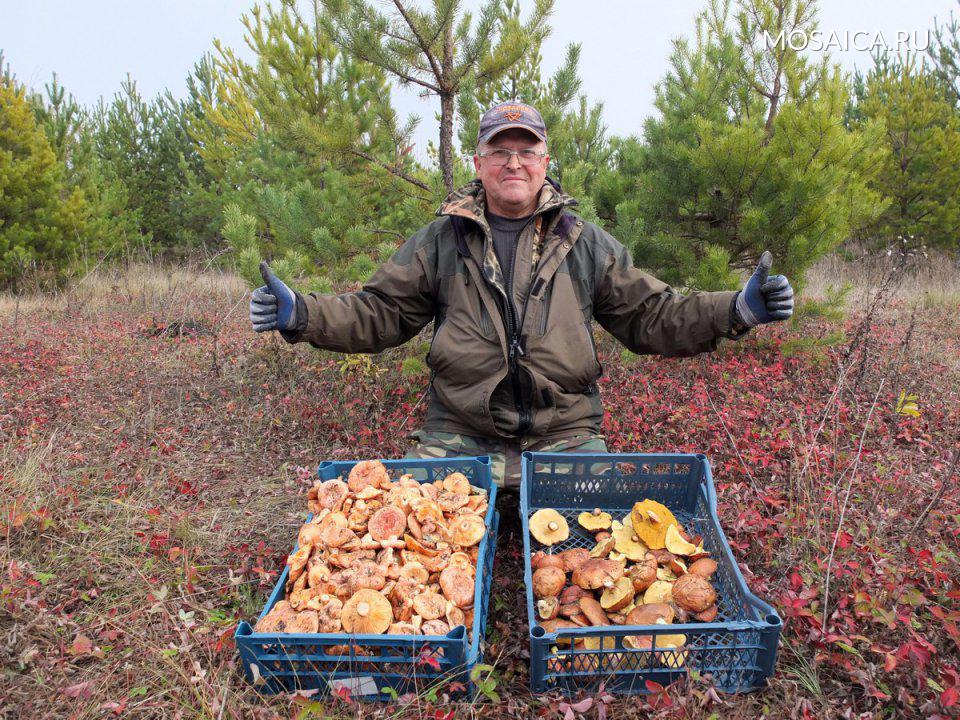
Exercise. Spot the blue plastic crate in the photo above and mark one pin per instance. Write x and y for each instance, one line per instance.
(739, 649)
(284, 662)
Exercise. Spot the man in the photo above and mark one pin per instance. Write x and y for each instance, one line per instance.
(513, 280)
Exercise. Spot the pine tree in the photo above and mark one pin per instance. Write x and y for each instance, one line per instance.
(921, 173)
(750, 153)
(438, 51)
(40, 220)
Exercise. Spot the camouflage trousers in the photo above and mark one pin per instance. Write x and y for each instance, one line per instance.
(504, 454)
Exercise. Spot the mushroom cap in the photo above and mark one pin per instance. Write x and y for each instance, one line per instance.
(574, 558)
(305, 621)
(619, 596)
(328, 613)
(366, 473)
(548, 608)
(309, 534)
(456, 482)
(387, 523)
(675, 543)
(708, 615)
(594, 612)
(548, 526)
(541, 559)
(280, 615)
(367, 574)
(414, 571)
(704, 567)
(597, 573)
(435, 627)
(603, 547)
(644, 573)
(450, 502)
(429, 605)
(596, 520)
(628, 542)
(366, 612)
(694, 593)
(660, 591)
(650, 614)
(650, 520)
(551, 626)
(457, 585)
(571, 594)
(331, 493)
(467, 530)
(548, 581)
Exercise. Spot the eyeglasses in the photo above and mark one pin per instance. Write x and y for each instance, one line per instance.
(501, 156)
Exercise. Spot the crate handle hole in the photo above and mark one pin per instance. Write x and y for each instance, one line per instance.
(773, 619)
(538, 632)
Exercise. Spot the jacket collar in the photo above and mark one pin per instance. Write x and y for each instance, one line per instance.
(469, 201)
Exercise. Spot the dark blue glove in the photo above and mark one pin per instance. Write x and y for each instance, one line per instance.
(765, 299)
(272, 306)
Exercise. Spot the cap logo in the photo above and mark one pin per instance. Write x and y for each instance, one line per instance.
(512, 112)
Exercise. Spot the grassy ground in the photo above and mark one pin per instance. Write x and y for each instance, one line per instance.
(153, 452)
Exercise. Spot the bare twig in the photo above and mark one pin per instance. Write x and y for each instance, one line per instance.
(938, 496)
(843, 510)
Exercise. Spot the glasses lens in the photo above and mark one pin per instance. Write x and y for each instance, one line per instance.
(502, 157)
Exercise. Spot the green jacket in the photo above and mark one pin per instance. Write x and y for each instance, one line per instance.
(514, 362)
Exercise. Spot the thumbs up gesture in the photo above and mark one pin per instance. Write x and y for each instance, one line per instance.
(274, 305)
(765, 298)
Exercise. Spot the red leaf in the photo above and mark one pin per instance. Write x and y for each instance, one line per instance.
(80, 690)
(82, 645)
(949, 697)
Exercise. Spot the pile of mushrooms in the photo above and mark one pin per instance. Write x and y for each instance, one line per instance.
(384, 556)
(644, 569)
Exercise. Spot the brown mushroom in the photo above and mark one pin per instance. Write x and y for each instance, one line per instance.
(429, 605)
(386, 523)
(548, 526)
(328, 610)
(598, 573)
(457, 585)
(650, 614)
(602, 535)
(277, 620)
(593, 521)
(603, 548)
(551, 626)
(367, 473)
(541, 559)
(548, 581)
(693, 593)
(704, 567)
(574, 558)
(708, 615)
(593, 611)
(572, 594)
(644, 573)
(366, 612)
(619, 596)
(467, 530)
(548, 608)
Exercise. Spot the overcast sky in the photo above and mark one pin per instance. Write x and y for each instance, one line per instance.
(93, 44)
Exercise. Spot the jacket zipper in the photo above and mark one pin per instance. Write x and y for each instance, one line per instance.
(515, 351)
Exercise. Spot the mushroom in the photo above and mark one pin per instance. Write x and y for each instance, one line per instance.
(366, 612)
(435, 627)
(309, 534)
(650, 520)
(366, 473)
(297, 562)
(551, 626)
(660, 591)
(628, 542)
(619, 596)
(593, 521)
(650, 614)
(644, 573)
(388, 522)
(467, 530)
(548, 581)
(305, 621)
(541, 559)
(277, 619)
(602, 535)
(708, 615)
(694, 593)
(548, 526)
(328, 613)
(704, 567)
(673, 656)
(464, 561)
(429, 605)
(426, 509)
(369, 575)
(414, 571)
(456, 482)
(598, 573)
(403, 628)
(603, 547)
(334, 535)
(574, 558)
(457, 585)
(330, 494)
(548, 608)
(572, 594)
(450, 502)
(676, 544)
(593, 611)
(454, 615)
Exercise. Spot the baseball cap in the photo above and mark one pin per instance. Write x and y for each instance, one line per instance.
(511, 114)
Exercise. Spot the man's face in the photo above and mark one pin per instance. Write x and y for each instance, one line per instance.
(512, 189)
